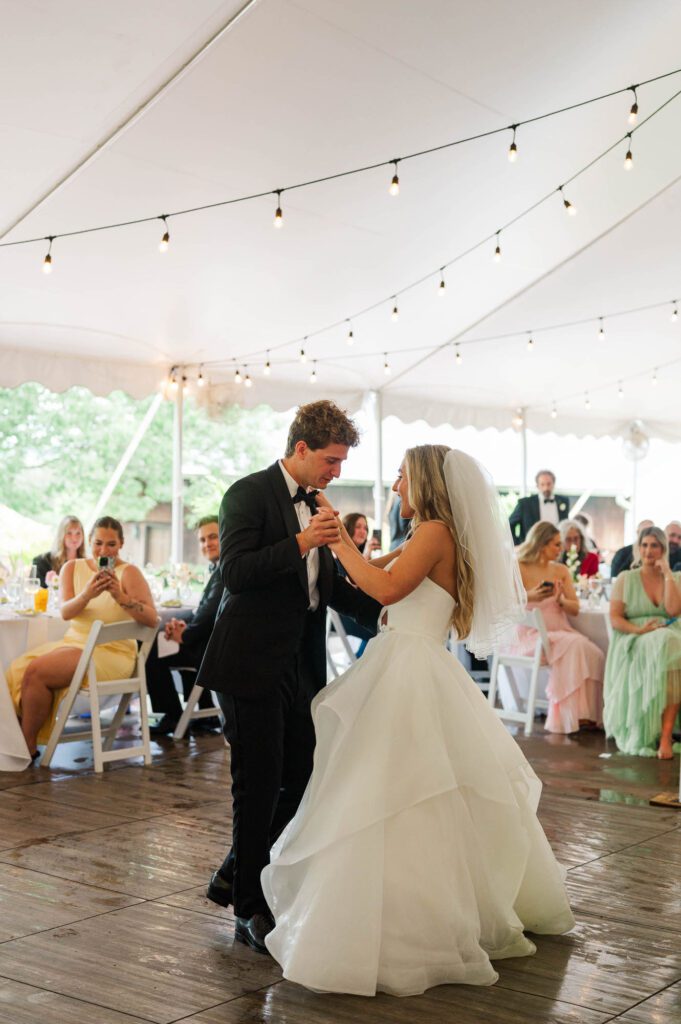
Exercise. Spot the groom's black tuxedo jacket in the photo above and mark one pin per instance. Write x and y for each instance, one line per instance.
(263, 620)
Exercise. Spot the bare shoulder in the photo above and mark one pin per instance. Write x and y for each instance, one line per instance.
(562, 571)
(432, 528)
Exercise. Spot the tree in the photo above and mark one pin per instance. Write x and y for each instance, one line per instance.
(57, 452)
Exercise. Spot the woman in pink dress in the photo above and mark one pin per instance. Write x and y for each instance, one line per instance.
(575, 688)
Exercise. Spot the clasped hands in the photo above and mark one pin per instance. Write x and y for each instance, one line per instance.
(324, 529)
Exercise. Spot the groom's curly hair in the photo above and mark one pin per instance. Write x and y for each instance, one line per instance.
(320, 424)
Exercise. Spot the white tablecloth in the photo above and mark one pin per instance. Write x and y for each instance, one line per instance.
(593, 624)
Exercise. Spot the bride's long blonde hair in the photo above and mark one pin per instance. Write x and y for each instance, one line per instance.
(427, 492)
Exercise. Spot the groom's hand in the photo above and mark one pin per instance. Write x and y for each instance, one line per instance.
(323, 529)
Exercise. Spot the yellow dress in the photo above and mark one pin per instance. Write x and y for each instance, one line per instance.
(112, 661)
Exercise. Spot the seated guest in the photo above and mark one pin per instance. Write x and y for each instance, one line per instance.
(358, 529)
(38, 679)
(68, 544)
(643, 671)
(576, 664)
(192, 635)
(625, 557)
(584, 521)
(543, 507)
(673, 533)
(574, 540)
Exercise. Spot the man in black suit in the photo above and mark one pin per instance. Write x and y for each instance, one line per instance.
(542, 507)
(192, 635)
(266, 658)
(624, 557)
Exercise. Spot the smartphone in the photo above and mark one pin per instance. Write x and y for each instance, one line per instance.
(669, 622)
(105, 562)
(376, 534)
(546, 585)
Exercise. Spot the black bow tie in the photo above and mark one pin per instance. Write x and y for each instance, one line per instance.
(308, 497)
(549, 501)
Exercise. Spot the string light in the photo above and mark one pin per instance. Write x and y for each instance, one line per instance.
(457, 354)
(497, 251)
(569, 208)
(350, 338)
(248, 383)
(165, 241)
(587, 401)
(654, 381)
(173, 382)
(395, 315)
(633, 113)
(386, 365)
(601, 331)
(303, 357)
(268, 367)
(313, 375)
(185, 385)
(47, 262)
(530, 343)
(278, 213)
(554, 411)
(237, 376)
(675, 313)
(629, 159)
(513, 149)
(200, 380)
(620, 390)
(395, 183)
(442, 287)
(517, 420)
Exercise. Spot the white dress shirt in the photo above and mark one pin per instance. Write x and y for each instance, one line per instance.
(548, 510)
(312, 557)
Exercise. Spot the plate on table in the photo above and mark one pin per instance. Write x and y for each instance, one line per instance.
(172, 603)
(28, 613)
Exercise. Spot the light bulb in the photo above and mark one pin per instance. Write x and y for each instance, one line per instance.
(587, 401)
(654, 378)
(47, 262)
(173, 384)
(267, 368)
(457, 355)
(675, 314)
(350, 338)
(530, 344)
(303, 357)
(442, 286)
(629, 159)
(601, 331)
(386, 366)
(237, 377)
(313, 375)
(620, 391)
(248, 383)
(395, 315)
(278, 214)
(200, 380)
(554, 412)
(569, 208)
(633, 113)
(497, 251)
(395, 183)
(513, 149)
(165, 240)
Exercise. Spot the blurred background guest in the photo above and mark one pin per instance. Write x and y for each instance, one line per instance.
(69, 543)
(576, 664)
(399, 527)
(643, 671)
(192, 634)
(673, 534)
(584, 521)
(38, 680)
(574, 539)
(625, 557)
(543, 507)
(358, 529)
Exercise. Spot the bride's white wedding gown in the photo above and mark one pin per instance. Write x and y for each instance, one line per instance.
(416, 856)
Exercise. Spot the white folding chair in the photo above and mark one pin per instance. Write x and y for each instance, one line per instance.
(99, 691)
(191, 710)
(531, 663)
(335, 631)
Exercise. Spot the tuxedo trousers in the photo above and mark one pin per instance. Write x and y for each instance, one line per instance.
(272, 741)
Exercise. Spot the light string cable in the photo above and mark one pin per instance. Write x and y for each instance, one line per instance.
(428, 276)
(392, 162)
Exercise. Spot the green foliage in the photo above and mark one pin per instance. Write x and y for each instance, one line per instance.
(58, 451)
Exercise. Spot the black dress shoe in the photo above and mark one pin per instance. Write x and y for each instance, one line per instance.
(219, 891)
(166, 726)
(206, 725)
(252, 931)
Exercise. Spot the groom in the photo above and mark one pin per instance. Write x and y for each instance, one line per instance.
(266, 658)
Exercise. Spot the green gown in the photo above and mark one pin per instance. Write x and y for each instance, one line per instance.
(642, 673)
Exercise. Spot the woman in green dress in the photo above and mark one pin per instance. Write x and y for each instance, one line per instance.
(642, 690)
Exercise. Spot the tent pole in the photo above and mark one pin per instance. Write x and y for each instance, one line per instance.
(379, 500)
(177, 520)
(125, 459)
(523, 445)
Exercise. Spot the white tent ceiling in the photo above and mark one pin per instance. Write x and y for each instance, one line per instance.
(297, 90)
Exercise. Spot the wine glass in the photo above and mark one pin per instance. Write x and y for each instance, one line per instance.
(31, 588)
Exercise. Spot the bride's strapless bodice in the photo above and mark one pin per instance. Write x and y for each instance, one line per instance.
(427, 611)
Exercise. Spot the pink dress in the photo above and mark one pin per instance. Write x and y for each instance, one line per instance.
(575, 687)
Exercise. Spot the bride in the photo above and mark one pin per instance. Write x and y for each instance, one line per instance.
(416, 856)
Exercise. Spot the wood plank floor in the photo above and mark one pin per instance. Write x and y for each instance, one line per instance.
(103, 917)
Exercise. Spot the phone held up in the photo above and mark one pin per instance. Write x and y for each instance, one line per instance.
(106, 562)
(376, 534)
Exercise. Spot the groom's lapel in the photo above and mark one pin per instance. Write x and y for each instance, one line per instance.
(288, 512)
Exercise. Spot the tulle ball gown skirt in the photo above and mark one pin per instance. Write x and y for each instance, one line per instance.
(416, 856)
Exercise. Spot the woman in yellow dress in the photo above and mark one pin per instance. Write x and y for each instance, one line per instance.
(38, 679)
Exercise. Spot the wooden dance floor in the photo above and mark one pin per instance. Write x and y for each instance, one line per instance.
(103, 918)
